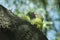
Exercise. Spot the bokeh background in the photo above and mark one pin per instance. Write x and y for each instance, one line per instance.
(49, 9)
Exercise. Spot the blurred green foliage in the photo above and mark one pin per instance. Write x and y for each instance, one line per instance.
(35, 21)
